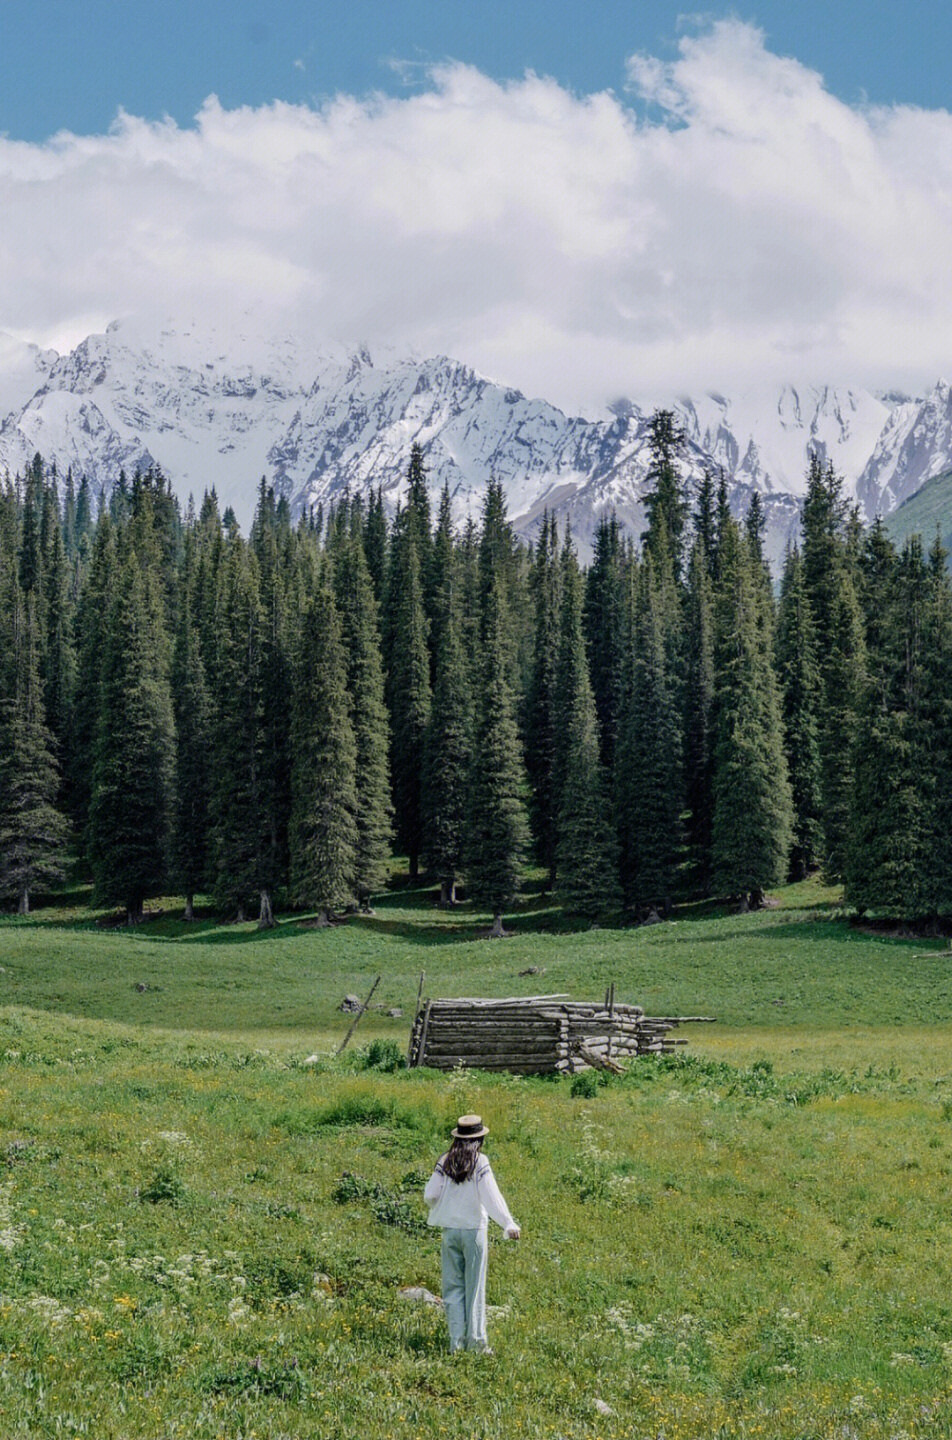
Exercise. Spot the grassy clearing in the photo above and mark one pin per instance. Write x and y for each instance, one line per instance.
(202, 1236)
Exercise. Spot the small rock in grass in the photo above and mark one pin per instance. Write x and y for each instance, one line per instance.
(419, 1294)
(602, 1408)
(312, 1060)
(350, 1004)
(396, 1013)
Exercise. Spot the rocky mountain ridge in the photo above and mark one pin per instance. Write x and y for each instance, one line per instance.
(316, 421)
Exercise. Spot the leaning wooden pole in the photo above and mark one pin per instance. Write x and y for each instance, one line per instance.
(416, 1011)
(346, 1040)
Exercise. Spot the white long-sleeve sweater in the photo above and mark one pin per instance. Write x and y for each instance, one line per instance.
(466, 1204)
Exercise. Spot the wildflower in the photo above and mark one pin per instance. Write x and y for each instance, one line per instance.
(10, 1234)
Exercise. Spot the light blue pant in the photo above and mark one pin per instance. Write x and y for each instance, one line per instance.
(465, 1253)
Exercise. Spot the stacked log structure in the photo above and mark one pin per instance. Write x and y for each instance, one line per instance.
(538, 1034)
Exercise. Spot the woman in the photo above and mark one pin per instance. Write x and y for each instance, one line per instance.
(462, 1195)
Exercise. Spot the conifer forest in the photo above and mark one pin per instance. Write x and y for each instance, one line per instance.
(265, 721)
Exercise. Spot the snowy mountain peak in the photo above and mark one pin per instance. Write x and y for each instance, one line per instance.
(224, 408)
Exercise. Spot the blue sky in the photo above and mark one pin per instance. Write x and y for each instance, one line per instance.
(585, 200)
(72, 64)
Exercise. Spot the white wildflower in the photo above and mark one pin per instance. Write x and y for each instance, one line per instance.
(10, 1234)
(48, 1309)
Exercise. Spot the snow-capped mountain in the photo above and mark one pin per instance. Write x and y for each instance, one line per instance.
(314, 421)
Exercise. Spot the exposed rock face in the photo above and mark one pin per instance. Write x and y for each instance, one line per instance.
(315, 423)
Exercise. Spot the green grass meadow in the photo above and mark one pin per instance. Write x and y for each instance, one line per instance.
(204, 1229)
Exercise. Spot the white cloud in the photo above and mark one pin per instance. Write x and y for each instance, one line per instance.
(745, 224)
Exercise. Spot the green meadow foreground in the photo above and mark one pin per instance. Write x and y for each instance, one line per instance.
(203, 1235)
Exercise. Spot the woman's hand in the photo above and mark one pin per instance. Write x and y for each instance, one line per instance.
(512, 1232)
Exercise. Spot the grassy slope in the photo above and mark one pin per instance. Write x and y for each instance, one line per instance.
(925, 512)
(753, 1240)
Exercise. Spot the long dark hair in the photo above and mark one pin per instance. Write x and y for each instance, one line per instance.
(461, 1159)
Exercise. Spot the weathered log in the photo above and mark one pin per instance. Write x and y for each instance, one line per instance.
(501, 1027)
(421, 1047)
(512, 1067)
(416, 1013)
(466, 1001)
(467, 1049)
(599, 1061)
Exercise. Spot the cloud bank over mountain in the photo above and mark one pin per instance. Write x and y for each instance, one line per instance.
(726, 220)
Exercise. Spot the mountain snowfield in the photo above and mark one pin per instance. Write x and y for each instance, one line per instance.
(315, 420)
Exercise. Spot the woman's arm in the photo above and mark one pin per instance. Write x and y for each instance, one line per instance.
(436, 1183)
(491, 1197)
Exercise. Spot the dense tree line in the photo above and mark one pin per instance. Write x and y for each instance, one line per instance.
(265, 720)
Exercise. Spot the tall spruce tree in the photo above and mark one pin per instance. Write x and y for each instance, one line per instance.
(649, 757)
(603, 633)
(33, 831)
(587, 861)
(239, 833)
(540, 724)
(324, 829)
(798, 674)
(375, 543)
(665, 506)
(193, 734)
(90, 627)
(886, 860)
(269, 540)
(449, 738)
(130, 813)
(360, 639)
(752, 820)
(497, 829)
(937, 727)
(699, 690)
(829, 580)
(408, 693)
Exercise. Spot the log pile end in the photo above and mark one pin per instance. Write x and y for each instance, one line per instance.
(538, 1034)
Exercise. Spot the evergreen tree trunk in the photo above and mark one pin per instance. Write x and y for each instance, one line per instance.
(447, 894)
(266, 920)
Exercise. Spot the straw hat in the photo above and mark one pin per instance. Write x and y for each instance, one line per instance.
(470, 1127)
